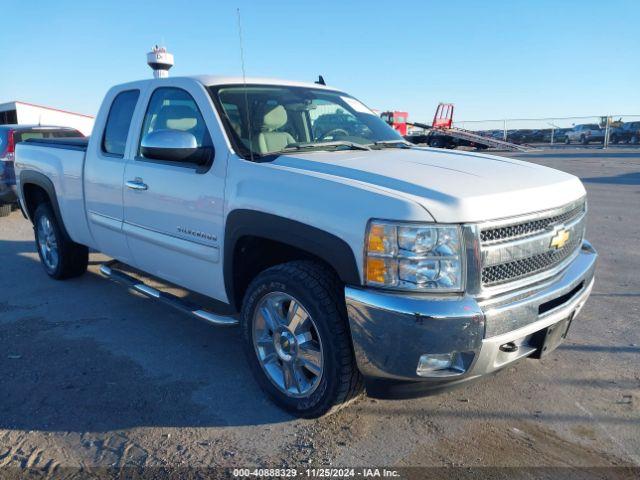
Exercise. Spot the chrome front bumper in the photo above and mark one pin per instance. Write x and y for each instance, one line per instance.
(390, 331)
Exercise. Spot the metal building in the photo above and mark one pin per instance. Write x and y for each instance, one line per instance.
(23, 113)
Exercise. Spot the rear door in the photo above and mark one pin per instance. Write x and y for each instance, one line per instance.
(173, 211)
(104, 170)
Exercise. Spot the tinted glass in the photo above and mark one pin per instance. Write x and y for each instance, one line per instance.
(118, 122)
(21, 136)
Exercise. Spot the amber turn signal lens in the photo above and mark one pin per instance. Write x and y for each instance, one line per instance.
(376, 270)
(376, 239)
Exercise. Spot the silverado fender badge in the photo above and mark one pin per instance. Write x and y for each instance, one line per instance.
(197, 234)
(560, 239)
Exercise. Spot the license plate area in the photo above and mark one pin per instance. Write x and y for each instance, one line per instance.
(548, 339)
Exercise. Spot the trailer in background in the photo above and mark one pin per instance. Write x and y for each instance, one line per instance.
(442, 134)
(22, 113)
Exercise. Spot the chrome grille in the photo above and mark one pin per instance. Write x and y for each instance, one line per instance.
(517, 269)
(529, 228)
(513, 251)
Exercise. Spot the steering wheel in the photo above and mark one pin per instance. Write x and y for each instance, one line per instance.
(334, 132)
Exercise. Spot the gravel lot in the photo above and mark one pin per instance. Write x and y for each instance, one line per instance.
(92, 375)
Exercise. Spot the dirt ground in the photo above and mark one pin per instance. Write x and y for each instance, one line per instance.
(92, 375)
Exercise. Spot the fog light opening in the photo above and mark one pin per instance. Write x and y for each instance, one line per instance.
(434, 362)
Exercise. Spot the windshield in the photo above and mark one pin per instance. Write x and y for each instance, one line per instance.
(263, 120)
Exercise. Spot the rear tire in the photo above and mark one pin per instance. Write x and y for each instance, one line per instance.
(306, 366)
(5, 210)
(60, 256)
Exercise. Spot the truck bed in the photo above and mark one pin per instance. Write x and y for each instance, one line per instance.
(61, 161)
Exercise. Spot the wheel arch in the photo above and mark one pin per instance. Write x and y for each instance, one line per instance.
(256, 240)
(36, 188)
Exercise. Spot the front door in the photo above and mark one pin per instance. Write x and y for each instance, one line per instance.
(173, 211)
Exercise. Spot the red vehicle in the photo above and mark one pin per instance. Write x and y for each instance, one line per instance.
(398, 120)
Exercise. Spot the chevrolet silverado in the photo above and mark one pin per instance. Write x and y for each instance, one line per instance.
(349, 258)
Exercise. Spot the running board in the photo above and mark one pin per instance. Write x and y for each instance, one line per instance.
(171, 300)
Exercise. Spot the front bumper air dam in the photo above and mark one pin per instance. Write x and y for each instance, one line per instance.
(390, 331)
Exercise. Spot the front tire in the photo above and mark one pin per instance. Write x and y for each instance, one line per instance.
(60, 256)
(296, 339)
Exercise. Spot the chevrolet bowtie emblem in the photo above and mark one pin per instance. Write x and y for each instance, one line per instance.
(560, 239)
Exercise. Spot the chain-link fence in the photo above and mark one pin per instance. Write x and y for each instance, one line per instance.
(610, 130)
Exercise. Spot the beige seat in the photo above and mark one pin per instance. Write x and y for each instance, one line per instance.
(269, 139)
(181, 117)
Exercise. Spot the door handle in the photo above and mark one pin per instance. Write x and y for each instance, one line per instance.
(136, 184)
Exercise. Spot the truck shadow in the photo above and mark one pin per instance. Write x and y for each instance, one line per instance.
(632, 178)
(87, 355)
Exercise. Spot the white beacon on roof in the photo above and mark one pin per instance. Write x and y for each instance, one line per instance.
(160, 61)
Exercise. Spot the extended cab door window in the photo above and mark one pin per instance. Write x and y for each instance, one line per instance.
(173, 109)
(116, 129)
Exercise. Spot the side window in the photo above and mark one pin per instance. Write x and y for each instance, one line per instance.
(117, 128)
(174, 109)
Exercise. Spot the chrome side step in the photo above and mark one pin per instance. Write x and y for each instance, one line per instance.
(171, 300)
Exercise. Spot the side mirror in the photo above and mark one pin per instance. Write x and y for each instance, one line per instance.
(174, 146)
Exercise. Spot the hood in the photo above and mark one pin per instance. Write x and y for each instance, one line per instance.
(453, 186)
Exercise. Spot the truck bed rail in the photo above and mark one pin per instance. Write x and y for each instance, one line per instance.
(71, 143)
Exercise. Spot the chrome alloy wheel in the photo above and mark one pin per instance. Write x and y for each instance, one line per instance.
(47, 243)
(288, 345)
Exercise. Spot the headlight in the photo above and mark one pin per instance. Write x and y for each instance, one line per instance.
(419, 257)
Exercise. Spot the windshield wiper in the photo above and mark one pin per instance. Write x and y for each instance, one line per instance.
(324, 146)
(392, 143)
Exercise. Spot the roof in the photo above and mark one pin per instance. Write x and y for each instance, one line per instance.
(213, 80)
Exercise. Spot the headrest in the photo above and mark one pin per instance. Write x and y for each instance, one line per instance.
(274, 118)
(177, 117)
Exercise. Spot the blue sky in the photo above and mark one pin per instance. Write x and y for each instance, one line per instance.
(493, 59)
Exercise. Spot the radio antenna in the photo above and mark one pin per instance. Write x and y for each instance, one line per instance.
(244, 82)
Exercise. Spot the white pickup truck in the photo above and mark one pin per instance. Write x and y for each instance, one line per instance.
(349, 258)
